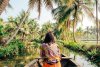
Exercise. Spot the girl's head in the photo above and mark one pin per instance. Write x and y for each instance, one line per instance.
(49, 38)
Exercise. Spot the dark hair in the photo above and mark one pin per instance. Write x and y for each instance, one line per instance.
(49, 38)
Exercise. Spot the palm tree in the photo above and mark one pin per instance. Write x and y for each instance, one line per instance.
(32, 3)
(19, 26)
(33, 29)
(47, 27)
(38, 4)
(97, 23)
(79, 32)
(3, 4)
(64, 13)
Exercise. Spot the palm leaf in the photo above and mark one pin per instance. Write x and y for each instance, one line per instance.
(58, 2)
(10, 6)
(88, 11)
(3, 5)
(59, 11)
(67, 13)
(48, 4)
(69, 3)
(38, 3)
(32, 3)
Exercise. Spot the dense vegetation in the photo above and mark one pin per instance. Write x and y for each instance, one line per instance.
(13, 49)
(21, 35)
(91, 51)
(30, 37)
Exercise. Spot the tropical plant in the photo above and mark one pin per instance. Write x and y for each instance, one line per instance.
(19, 26)
(97, 21)
(79, 32)
(2, 34)
(38, 4)
(32, 3)
(14, 48)
(3, 4)
(47, 27)
(70, 12)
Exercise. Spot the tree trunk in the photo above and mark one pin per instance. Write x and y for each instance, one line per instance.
(97, 23)
(74, 32)
(87, 33)
(3, 5)
(9, 40)
(74, 22)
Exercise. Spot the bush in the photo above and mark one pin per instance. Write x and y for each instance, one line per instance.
(75, 46)
(93, 52)
(15, 47)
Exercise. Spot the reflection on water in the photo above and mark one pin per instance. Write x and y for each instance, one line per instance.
(17, 61)
(79, 58)
(23, 60)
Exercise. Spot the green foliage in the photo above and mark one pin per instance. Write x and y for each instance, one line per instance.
(16, 47)
(74, 46)
(92, 54)
(36, 43)
(57, 33)
(1, 20)
(1, 30)
(4, 30)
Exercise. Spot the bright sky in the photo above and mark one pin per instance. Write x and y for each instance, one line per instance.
(19, 5)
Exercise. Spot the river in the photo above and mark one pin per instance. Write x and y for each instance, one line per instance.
(23, 60)
(79, 58)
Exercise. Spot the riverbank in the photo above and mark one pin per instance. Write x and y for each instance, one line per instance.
(92, 52)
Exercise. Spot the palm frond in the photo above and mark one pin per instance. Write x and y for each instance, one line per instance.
(68, 2)
(3, 5)
(10, 6)
(38, 4)
(22, 15)
(59, 11)
(88, 11)
(48, 4)
(58, 2)
(88, 3)
(67, 14)
(32, 3)
(63, 13)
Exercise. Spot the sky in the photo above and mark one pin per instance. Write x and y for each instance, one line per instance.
(19, 5)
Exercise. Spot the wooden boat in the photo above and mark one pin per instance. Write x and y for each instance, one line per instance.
(65, 62)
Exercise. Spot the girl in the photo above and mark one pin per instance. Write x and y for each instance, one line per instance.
(50, 52)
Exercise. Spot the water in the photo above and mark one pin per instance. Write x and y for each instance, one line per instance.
(19, 61)
(23, 60)
(82, 60)
(79, 58)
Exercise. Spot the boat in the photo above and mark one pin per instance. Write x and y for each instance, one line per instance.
(65, 62)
